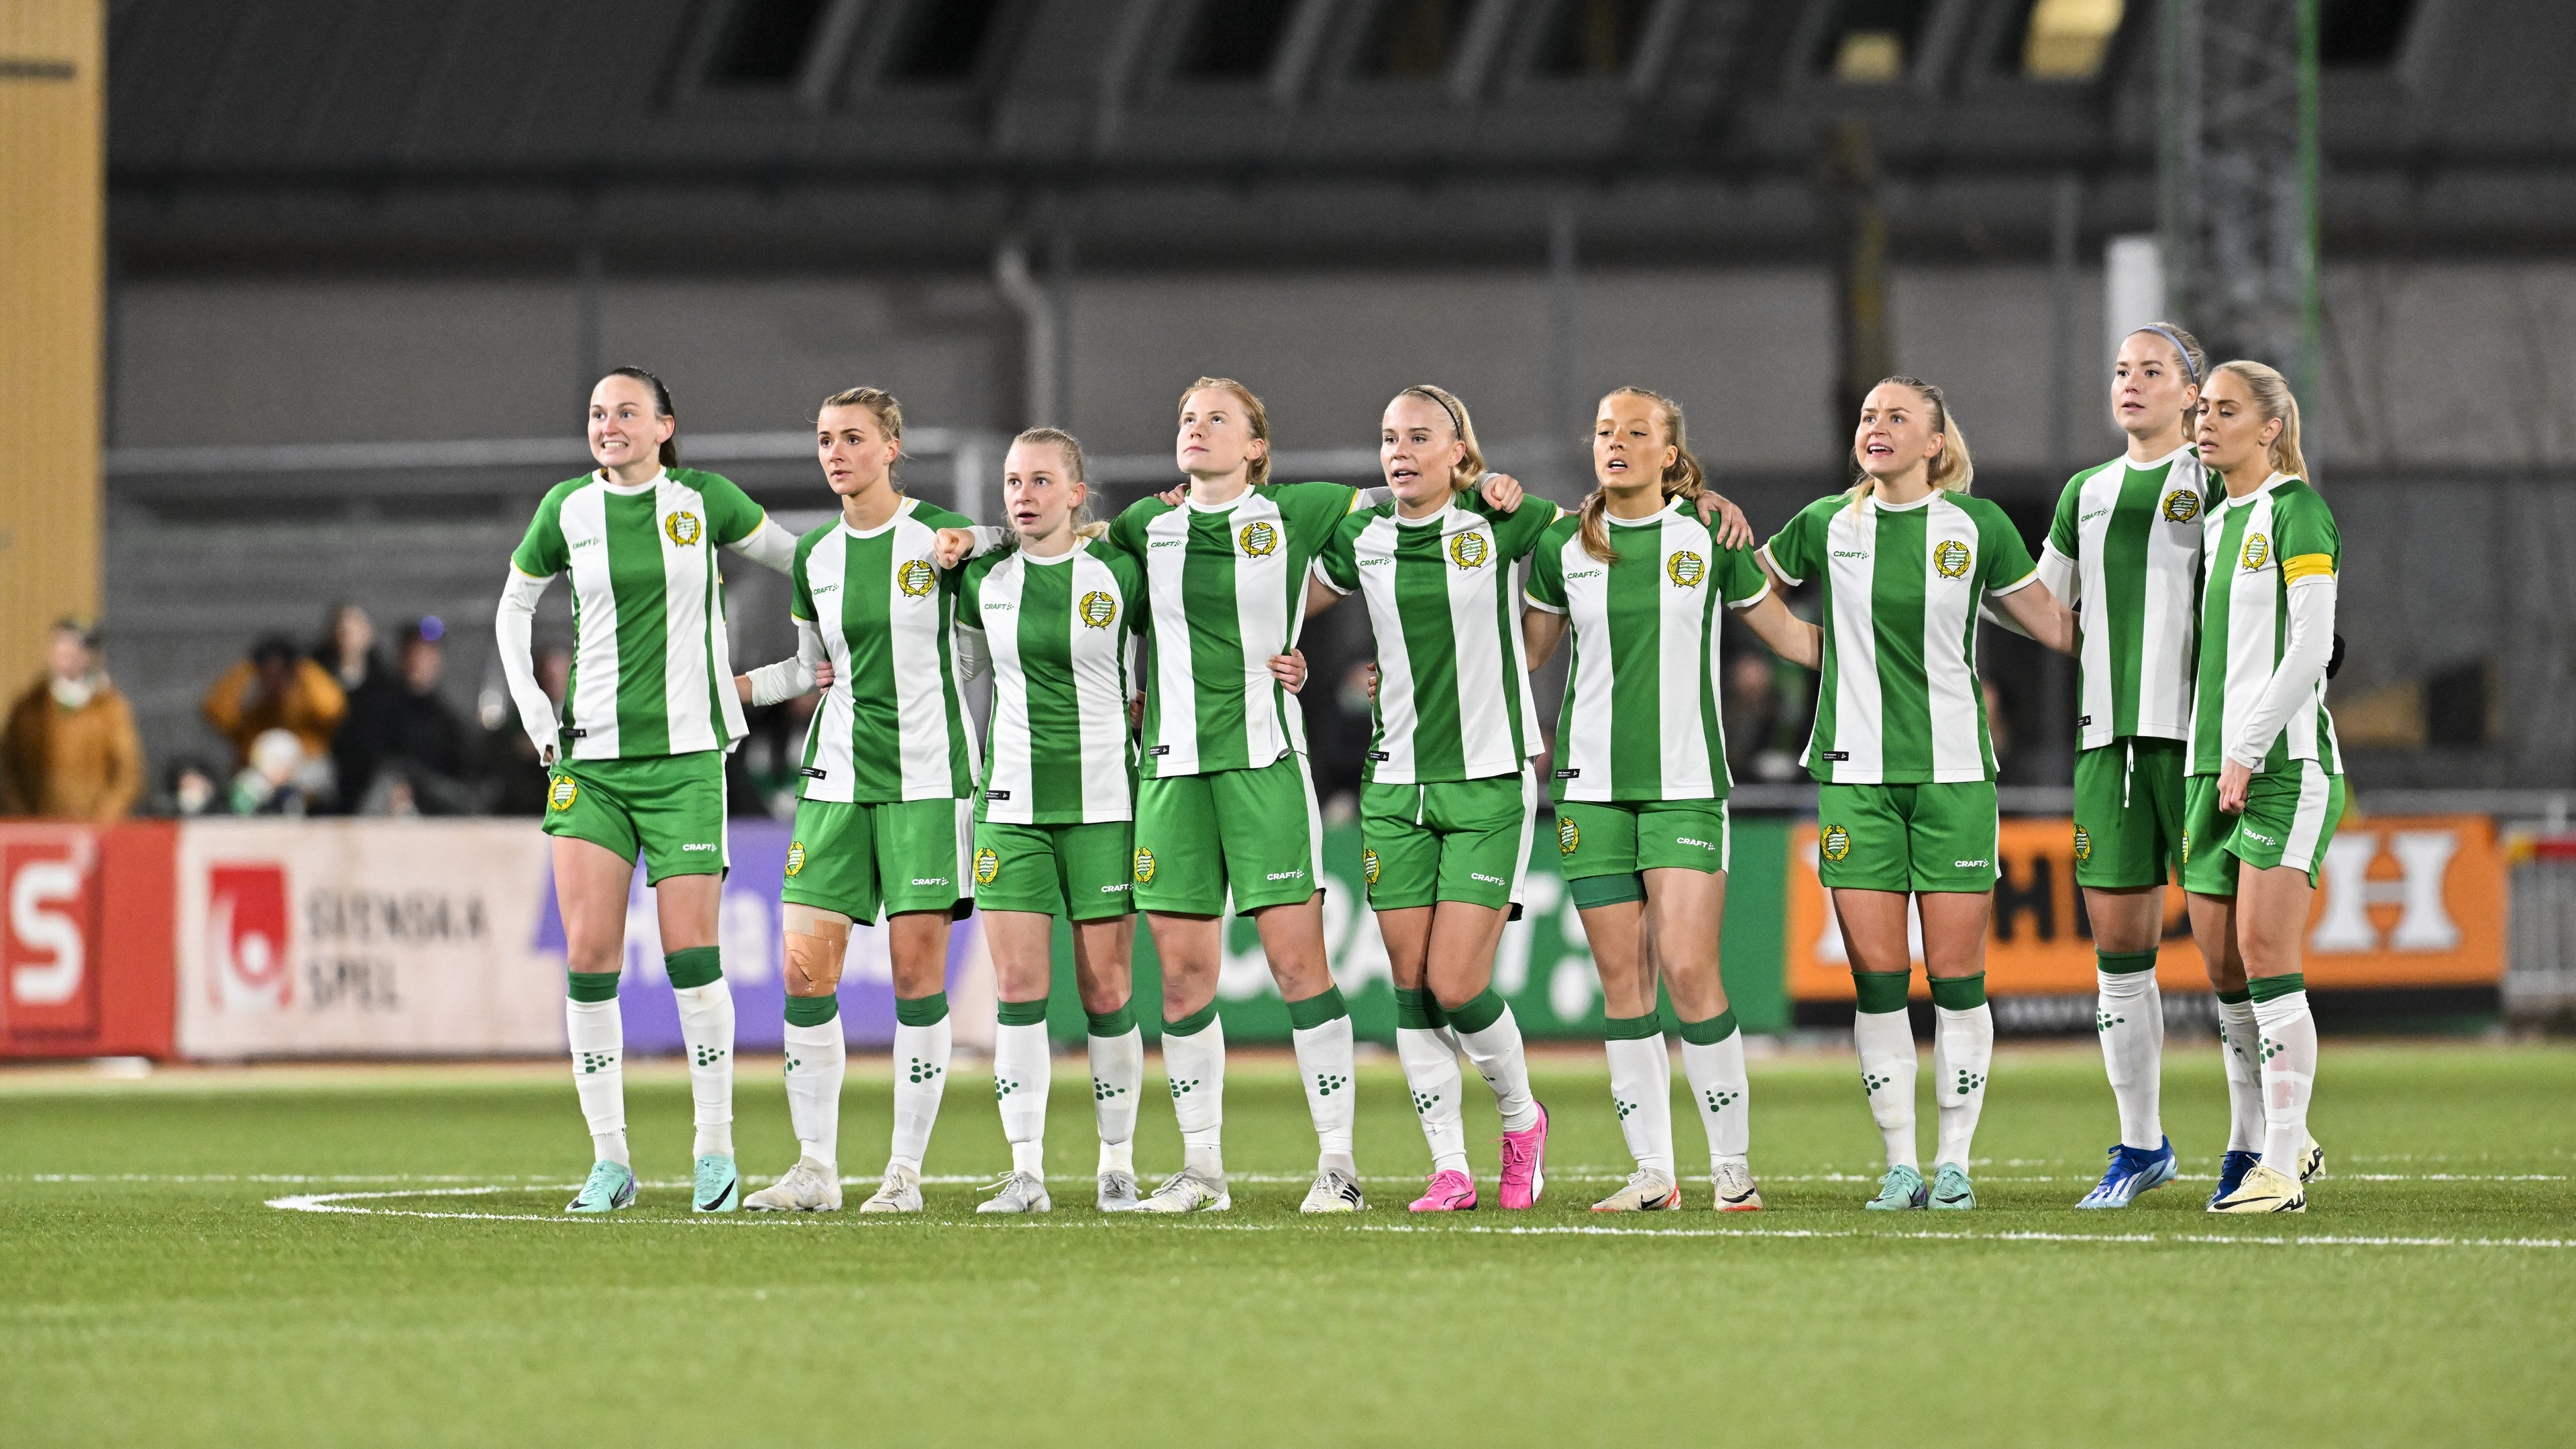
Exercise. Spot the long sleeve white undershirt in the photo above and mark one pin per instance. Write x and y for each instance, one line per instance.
(514, 625)
(791, 677)
(2294, 679)
(769, 545)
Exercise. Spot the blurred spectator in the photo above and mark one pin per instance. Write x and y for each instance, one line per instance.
(274, 689)
(403, 749)
(280, 778)
(348, 649)
(1756, 715)
(515, 777)
(69, 750)
(1339, 728)
(188, 788)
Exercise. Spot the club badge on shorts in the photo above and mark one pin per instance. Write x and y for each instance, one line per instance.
(2083, 844)
(561, 794)
(987, 865)
(1569, 836)
(1834, 842)
(1144, 866)
(795, 856)
(1369, 866)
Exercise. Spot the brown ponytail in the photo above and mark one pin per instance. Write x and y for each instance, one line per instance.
(662, 408)
(1684, 478)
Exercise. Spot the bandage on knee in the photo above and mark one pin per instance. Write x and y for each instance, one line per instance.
(817, 942)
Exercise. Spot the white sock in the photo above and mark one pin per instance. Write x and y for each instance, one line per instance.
(597, 1032)
(1195, 1065)
(2238, 1042)
(1496, 1054)
(920, 1077)
(1963, 1051)
(1327, 1066)
(817, 1059)
(1718, 1084)
(2289, 1071)
(1021, 1069)
(1430, 1059)
(2131, 1014)
(1885, 1040)
(706, 1030)
(1642, 1099)
(1117, 1071)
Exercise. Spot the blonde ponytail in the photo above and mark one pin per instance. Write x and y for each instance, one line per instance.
(2273, 399)
(1683, 478)
(1952, 471)
(1084, 524)
(1471, 468)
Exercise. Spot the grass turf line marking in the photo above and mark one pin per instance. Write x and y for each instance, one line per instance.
(1258, 1179)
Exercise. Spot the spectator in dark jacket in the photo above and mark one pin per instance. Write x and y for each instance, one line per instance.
(404, 750)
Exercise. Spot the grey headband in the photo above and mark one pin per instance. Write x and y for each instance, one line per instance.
(2179, 350)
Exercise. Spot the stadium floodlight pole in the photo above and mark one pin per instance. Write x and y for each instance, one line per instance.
(2239, 177)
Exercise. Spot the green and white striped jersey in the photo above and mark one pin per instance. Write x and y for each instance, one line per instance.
(1226, 589)
(1060, 633)
(652, 673)
(2257, 547)
(1453, 695)
(893, 725)
(1641, 719)
(2126, 543)
(1899, 702)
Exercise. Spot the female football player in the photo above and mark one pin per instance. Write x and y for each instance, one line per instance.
(1907, 808)
(637, 758)
(1641, 780)
(2266, 775)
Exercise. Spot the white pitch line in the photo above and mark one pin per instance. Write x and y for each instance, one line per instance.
(986, 1179)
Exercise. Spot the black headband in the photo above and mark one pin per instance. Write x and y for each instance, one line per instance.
(1457, 424)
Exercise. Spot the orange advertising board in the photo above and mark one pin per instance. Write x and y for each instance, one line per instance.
(2402, 901)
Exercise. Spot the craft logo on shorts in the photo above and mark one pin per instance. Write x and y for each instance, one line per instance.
(2182, 506)
(1951, 557)
(1098, 609)
(1835, 842)
(987, 865)
(1144, 866)
(1686, 568)
(1368, 866)
(2083, 843)
(682, 527)
(561, 794)
(2258, 552)
(1569, 836)
(915, 577)
(1258, 539)
(1469, 550)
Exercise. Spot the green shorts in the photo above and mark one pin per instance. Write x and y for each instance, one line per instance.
(1454, 840)
(1907, 837)
(1252, 833)
(1077, 872)
(2128, 814)
(894, 857)
(2289, 819)
(671, 808)
(1596, 840)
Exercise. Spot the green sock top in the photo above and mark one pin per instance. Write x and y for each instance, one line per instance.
(1712, 1031)
(1959, 993)
(1111, 1023)
(694, 967)
(2124, 963)
(1316, 1010)
(812, 1010)
(1192, 1024)
(2235, 998)
(1631, 1028)
(928, 1010)
(591, 985)
(2273, 988)
(1880, 992)
(1480, 1011)
(1021, 1013)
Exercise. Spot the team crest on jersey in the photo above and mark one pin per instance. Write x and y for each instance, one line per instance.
(683, 528)
(795, 856)
(1835, 842)
(987, 865)
(1951, 557)
(1686, 568)
(1258, 539)
(2083, 843)
(915, 577)
(2258, 552)
(2182, 506)
(1569, 836)
(1368, 866)
(561, 794)
(1469, 550)
(1098, 609)
(1144, 866)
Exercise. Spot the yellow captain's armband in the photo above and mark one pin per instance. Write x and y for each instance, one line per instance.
(2306, 566)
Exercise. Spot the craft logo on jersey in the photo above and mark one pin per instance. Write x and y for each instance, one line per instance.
(2083, 843)
(1368, 866)
(682, 527)
(2182, 506)
(987, 865)
(1569, 836)
(1469, 550)
(1144, 866)
(1835, 842)
(915, 577)
(795, 856)
(1951, 557)
(1098, 609)
(247, 957)
(2258, 552)
(1686, 568)
(561, 794)
(1258, 539)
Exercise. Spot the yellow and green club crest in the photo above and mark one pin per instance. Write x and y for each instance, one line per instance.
(1098, 610)
(1569, 836)
(1144, 866)
(916, 577)
(1469, 550)
(2083, 843)
(1834, 841)
(2181, 506)
(795, 856)
(1952, 558)
(988, 864)
(1258, 538)
(2258, 552)
(682, 527)
(561, 794)
(1686, 568)
(1368, 866)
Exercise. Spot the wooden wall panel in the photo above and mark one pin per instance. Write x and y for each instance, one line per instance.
(52, 247)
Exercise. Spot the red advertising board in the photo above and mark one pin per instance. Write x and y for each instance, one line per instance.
(87, 946)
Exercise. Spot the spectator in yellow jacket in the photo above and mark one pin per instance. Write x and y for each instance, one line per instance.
(276, 688)
(69, 750)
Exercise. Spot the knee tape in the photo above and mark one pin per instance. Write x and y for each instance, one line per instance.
(817, 942)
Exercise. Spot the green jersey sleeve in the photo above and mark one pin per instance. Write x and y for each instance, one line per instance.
(1313, 510)
(970, 589)
(1127, 531)
(731, 515)
(800, 593)
(2310, 546)
(1546, 586)
(1338, 560)
(2061, 529)
(2008, 560)
(1797, 552)
(1129, 571)
(543, 553)
(1740, 579)
(1520, 530)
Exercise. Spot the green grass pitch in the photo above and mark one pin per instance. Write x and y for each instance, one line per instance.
(150, 1295)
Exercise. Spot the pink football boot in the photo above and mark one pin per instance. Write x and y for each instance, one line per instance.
(1525, 1164)
(1450, 1192)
